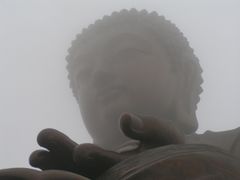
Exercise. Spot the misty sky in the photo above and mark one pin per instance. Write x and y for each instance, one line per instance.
(35, 36)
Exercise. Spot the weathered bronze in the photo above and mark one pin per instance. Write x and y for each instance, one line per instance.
(177, 162)
(137, 82)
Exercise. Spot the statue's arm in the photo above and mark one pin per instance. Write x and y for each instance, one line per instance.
(29, 174)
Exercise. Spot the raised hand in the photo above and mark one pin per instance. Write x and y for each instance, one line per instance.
(90, 160)
(64, 154)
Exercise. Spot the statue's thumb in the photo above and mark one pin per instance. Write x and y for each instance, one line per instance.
(132, 126)
(150, 130)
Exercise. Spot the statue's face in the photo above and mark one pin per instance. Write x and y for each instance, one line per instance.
(135, 77)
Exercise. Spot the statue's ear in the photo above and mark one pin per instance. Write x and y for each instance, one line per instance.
(185, 113)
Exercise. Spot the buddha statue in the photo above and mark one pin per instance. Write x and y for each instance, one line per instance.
(140, 63)
(137, 83)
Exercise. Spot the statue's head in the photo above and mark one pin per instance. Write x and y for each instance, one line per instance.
(137, 62)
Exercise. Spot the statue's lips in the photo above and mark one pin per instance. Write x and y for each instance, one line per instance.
(110, 94)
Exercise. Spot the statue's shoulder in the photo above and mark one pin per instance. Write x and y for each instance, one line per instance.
(235, 149)
(228, 140)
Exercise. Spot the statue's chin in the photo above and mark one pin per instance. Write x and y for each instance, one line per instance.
(187, 123)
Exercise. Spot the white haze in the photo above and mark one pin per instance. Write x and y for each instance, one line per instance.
(34, 90)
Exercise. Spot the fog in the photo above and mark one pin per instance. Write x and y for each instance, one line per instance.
(35, 36)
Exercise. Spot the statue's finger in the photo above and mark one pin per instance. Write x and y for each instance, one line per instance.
(56, 141)
(150, 130)
(93, 160)
(44, 160)
(132, 126)
(19, 173)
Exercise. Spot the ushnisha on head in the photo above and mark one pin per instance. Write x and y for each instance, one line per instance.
(137, 62)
